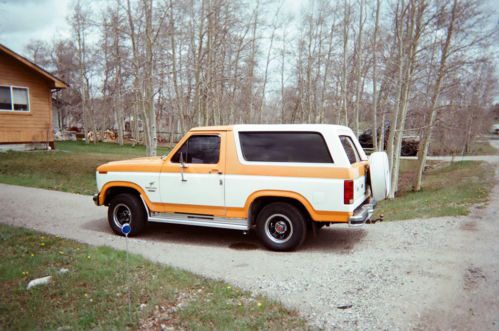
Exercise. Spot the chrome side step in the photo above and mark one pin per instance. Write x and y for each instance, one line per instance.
(200, 220)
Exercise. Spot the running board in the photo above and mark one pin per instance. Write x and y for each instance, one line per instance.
(200, 220)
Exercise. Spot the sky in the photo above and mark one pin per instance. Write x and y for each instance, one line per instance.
(25, 20)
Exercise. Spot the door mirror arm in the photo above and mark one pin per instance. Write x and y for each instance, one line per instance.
(182, 166)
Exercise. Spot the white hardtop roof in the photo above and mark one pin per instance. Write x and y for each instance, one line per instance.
(277, 127)
(288, 127)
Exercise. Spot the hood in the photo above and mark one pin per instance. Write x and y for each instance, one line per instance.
(142, 164)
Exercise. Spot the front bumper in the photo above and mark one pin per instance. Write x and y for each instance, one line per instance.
(96, 199)
(362, 214)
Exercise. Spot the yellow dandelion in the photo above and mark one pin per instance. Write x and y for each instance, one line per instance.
(259, 304)
(88, 257)
(42, 244)
(32, 254)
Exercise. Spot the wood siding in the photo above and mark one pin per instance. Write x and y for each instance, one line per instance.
(23, 127)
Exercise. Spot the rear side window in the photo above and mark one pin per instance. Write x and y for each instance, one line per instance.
(350, 149)
(199, 150)
(303, 147)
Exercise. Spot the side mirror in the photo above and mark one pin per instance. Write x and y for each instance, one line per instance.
(182, 163)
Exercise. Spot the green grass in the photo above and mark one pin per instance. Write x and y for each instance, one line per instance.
(483, 148)
(93, 294)
(70, 168)
(448, 190)
(105, 148)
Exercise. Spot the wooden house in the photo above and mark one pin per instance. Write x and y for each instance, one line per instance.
(25, 103)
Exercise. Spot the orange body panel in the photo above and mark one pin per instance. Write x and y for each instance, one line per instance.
(143, 164)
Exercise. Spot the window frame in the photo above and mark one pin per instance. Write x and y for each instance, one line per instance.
(12, 110)
(353, 146)
(243, 160)
(198, 164)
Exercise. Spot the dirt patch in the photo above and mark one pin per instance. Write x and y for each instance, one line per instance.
(473, 276)
(164, 316)
(469, 226)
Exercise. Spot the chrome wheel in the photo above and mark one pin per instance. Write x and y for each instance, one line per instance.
(122, 215)
(278, 228)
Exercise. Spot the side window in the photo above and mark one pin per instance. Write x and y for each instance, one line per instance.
(350, 149)
(301, 147)
(199, 150)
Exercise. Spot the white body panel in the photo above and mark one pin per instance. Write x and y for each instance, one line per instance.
(323, 194)
(197, 189)
(148, 181)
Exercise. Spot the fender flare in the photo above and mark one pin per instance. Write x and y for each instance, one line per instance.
(105, 188)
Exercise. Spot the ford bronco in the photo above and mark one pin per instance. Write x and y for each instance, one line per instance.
(278, 180)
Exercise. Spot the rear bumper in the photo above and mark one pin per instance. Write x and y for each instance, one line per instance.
(362, 214)
(96, 199)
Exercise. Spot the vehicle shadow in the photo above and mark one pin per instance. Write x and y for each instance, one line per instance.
(337, 238)
(333, 239)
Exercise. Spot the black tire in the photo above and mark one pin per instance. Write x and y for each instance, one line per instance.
(291, 222)
(126, 204)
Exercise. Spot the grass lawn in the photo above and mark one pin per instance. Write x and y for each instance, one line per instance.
(93, 294)
(483, 148)
(70, 168)
(448, 190)
(105, 148)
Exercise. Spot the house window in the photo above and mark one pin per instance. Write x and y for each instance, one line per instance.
(14, 99)
(5, 99)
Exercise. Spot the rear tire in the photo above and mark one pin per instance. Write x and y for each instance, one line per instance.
(281, 226)
(126, 208)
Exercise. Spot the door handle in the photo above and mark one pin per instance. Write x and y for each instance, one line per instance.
(215, 171)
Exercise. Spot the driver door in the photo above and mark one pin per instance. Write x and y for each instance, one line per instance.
(192, 179)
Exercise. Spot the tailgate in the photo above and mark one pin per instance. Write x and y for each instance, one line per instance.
(361, 193)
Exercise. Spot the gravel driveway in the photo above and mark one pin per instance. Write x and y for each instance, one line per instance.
(436, 273)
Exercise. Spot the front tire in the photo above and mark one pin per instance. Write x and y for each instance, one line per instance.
(126, 208)
(281, 226)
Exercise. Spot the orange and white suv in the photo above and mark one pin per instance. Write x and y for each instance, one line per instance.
(279, 180)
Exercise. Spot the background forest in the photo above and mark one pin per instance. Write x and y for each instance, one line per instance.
(152, 69)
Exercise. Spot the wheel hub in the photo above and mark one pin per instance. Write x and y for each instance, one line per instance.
(280, 227)
(122, 215)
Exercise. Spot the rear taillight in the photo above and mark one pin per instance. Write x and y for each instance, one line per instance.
(348, 192)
